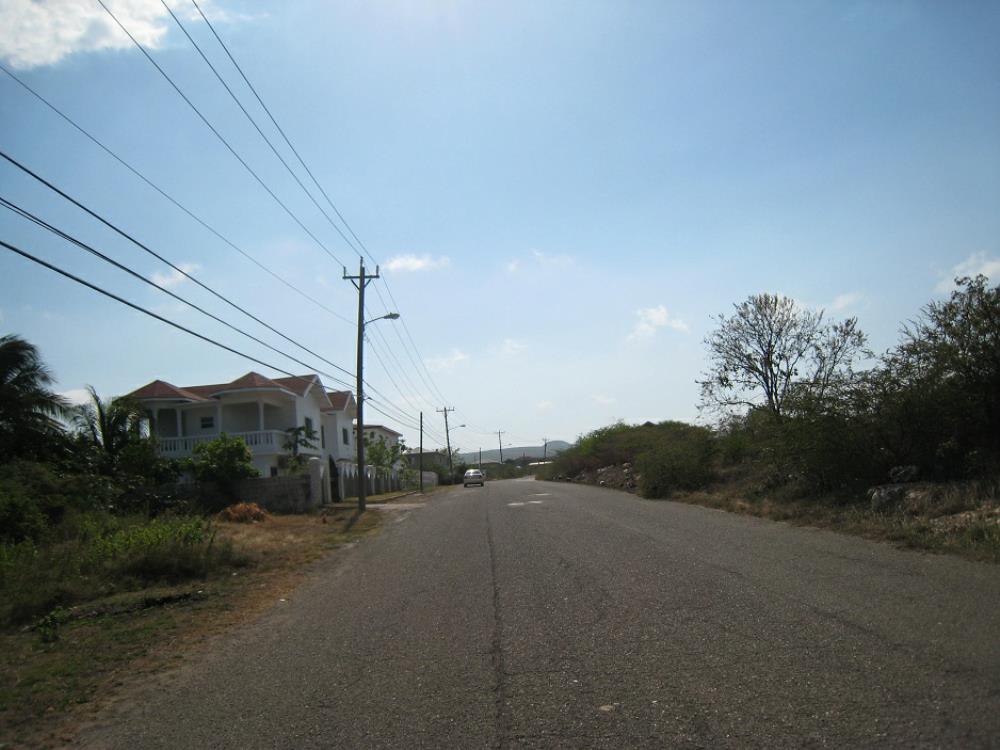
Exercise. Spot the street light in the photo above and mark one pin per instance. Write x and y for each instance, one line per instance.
(363, 483)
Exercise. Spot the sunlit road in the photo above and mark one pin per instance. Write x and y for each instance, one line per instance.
(540, 615)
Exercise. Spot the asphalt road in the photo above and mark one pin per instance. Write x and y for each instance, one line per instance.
(538, 615)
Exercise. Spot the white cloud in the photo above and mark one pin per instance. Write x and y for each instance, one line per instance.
(45, 32)
(511, 347)
(513, 265)
(975, 264)
(843, 301)
(544, 405)
(603, 400)
(416, 263)
(652, 318)
(174, 278)
(76, 395)
(562, 260)
(447, 362)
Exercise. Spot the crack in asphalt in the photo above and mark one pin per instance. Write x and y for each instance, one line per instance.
(500, 690)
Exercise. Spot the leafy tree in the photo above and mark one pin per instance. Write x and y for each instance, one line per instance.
(29, 410)
(296, 438)
(770, 348)
(223, 461)
(108, 424)
(381, 454)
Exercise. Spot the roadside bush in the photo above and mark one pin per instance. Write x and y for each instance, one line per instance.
(96, 554)
(243, 513)
(685, 461)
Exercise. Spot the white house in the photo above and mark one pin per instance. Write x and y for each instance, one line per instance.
(376, 432)
(258, 409)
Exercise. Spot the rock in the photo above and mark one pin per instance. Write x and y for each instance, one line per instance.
(900, 474)
(886, 496)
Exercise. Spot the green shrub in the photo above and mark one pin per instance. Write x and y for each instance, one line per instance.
(21, 517)
(685, 461)
(94, 554)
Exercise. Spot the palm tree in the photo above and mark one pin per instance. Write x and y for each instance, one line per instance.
(29, 411)
(109, 424)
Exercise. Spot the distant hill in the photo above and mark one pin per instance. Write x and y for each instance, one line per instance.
(532, 451)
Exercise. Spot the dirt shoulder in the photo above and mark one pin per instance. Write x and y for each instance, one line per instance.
(959, 518)
(60, 672)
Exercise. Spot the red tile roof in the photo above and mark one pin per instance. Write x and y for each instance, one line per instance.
(163, 389)
(298, 385)
(338, 400)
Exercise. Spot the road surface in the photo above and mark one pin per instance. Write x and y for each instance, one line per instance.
(538, 615)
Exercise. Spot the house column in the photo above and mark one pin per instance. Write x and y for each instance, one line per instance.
(260, 415)
(218, 417)
(180, 422)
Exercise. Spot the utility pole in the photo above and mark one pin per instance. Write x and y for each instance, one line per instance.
(447, 440)
(420, 460)
(500, 443)
(545, 447)
(480, 459)
(360, 282)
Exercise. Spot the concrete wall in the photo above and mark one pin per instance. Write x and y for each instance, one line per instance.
(278, 494)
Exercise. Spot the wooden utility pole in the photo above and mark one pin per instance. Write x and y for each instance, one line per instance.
(545, 447)
(447, 441)
(420, 460)
(360, 282)
(500, 443)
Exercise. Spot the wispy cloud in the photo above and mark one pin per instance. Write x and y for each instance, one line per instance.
(76, 395)
(510, 347)
(561, 260)
(416, 263)
(544, 406)
(446, 362)
(174, 278)
(651, 319)
(975, 264)
(513, 266)
(844, 301)
(603, 400)
(44, 33)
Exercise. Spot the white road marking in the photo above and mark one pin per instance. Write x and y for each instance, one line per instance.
(534, 502)
(541, 494)
(513, 504)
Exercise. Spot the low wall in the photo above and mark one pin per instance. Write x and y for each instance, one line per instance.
(278, 494)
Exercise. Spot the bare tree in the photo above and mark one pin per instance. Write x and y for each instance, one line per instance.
(770, 347)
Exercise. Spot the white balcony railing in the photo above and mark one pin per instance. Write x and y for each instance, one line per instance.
(259, 441)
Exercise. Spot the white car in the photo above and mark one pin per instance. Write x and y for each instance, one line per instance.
(474, 476)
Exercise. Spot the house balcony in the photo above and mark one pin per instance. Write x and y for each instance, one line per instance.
(260, 442)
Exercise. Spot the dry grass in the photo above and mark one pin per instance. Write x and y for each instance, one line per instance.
(49, 685)
(243, 513)
(960, 518)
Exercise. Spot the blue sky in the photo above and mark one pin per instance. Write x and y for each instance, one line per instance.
(561, 194)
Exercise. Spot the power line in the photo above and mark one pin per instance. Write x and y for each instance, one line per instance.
(141, 309)
(218, 134)
(135, 274)
(255, 125)
(279, 128)
(159, 257)
(419, 365)
(170, 198)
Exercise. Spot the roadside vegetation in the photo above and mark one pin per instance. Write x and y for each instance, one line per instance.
(103, 562)
(906, 448)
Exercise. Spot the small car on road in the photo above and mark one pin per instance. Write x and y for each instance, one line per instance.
(474, 476)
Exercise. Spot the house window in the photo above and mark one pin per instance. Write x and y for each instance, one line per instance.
(309, 426)
(322, 437)
(347, 440)
(208, 423)
(274, 471)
